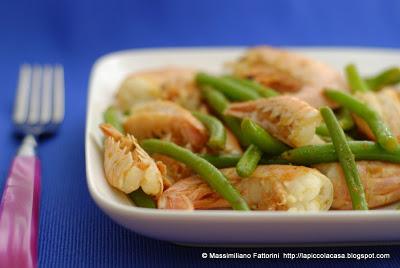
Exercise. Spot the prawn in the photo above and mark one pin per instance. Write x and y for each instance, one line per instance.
(127, 166)
(289, 73)
(270, 187)
(166, 120)
(381, 183)
(289, 119)
(170, 83)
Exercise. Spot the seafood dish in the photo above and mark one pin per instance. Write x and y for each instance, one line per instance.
(277, 131)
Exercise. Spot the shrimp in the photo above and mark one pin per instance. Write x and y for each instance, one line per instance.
(289, 73)
(381, 183)
(165, 119)
(289, 119)
(170, 83)
(387, 104)
(175, 170)
(127, 166)
(270, 187)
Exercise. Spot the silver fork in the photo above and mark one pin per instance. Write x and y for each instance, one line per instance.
(38, 109)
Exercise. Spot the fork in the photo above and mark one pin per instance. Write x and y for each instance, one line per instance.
(38, 109)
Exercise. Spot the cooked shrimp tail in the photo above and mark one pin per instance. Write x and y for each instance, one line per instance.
(287, 118)
(127, 166)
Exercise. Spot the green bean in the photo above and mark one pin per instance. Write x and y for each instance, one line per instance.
(231, 160)
(232, 90)
(141, 199)
(217, 136)
(345, 121)
(346, 159)
(208, 172)
(249, 161)
(325, 153)
(386, 78)
(113, 117)
(234, 125)
(219, 104)
(275, 160)
(355, 80)
(222, 161)
(261, 138)
(257, 87)
(381, 131)
(322, 130)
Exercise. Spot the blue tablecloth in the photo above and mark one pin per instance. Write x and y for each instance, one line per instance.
(73, 231)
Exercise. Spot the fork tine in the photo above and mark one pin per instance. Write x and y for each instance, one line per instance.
(34, 106)
(58, 87)
(21, 99)
(46, 95)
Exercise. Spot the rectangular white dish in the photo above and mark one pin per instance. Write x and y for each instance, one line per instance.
(225, 227)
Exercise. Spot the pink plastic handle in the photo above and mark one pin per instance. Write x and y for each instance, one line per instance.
(19, 214)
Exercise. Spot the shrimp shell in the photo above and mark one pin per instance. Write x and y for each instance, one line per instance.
(386, 103)
(270, 187)
(127, 166)
(170, 83)
(381, 183)
(289, 73)
(289, 119)
(165, 119)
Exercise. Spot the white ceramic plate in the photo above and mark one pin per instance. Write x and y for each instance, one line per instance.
(225, 227)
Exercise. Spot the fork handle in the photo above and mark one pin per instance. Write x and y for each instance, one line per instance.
(19, 209)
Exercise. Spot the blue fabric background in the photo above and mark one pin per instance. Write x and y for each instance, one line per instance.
(73, 231)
